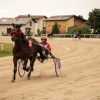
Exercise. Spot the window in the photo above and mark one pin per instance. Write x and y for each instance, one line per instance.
(30, 23)
(8, 30)
(27, 31)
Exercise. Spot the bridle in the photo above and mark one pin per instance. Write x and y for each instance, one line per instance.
(16, 37)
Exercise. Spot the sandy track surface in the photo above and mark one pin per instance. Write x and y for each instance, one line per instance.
(80, 78)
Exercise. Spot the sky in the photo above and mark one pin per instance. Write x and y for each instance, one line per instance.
(13, 8)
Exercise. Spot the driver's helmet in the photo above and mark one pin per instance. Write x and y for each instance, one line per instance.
(44, 38)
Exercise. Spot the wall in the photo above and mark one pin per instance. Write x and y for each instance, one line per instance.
(39, 24)
(78, 21)
(70, 22)
(49, 25)
(3, 28)
(28, 26)
(36, 27)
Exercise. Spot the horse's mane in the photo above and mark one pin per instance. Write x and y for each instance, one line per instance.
(34, 40)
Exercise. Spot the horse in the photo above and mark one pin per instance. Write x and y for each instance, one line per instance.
(77, 35)
(22, 51)
(50, 35)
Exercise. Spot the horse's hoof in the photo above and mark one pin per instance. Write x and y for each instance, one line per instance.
(24, 68)
(12, 80)
(32, 69)
(28, 78)
(29, 68)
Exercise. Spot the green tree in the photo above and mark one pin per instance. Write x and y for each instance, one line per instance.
(55, 28)
(38, 31)
(94, 20)
(43, 31)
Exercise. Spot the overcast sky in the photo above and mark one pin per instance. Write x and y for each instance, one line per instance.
(13, 8)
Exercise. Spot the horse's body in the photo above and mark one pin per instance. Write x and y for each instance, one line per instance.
(50, 35)
(22, 51)
(77, 35)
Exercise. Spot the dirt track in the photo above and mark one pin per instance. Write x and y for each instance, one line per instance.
(80, 79)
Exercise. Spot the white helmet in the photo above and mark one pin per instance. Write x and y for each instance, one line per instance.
(44, 38)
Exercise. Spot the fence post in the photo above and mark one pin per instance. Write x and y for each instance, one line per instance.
(2, 47)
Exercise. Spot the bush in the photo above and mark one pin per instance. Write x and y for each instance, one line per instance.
(43, 31)
(39, 32)
(5, 34)
(82, 29)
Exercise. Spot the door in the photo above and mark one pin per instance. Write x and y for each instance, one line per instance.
(27, 31)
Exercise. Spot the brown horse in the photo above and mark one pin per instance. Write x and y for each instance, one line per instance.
(22, 51)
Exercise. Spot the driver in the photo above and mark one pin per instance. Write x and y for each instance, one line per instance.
(46, 45)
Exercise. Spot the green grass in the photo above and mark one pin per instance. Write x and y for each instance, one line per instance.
(7, 50)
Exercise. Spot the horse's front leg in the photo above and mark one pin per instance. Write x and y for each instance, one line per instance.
(32, 60)
(15, 69)
(25, 64)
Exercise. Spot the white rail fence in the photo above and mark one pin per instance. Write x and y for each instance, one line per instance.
(71, 35)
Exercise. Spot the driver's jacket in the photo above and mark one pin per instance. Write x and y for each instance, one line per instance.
(46, 45)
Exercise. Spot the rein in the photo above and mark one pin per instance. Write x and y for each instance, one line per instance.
(18, 39)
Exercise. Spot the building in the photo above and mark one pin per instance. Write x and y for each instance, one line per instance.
(28, 25)
(31, 23)
(39, 19)
(64, 21)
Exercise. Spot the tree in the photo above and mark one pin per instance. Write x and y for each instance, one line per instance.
(55, 28)
(94, 20)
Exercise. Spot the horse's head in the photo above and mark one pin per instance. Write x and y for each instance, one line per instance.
(16, 26)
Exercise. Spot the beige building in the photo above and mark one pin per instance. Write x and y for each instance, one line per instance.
(28, 25)
(39, 19)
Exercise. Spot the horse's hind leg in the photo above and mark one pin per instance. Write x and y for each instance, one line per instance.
(14, 70)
